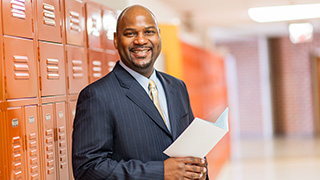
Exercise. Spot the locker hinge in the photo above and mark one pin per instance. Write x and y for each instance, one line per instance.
(40, 83)
(39, 53)
(67, 82)
(32, 23)
(5, 84)
(25, 142)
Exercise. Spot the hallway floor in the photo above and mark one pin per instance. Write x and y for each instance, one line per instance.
(278, 159)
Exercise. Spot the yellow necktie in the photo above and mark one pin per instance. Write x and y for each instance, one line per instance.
(153, 93)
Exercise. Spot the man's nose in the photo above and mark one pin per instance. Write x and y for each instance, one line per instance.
(140, 39)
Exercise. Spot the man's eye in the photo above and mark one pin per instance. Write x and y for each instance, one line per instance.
(150, 32)
(129, 34)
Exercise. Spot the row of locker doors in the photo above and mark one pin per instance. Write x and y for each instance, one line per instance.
(37, 141)
(21, 68)
(19, 19)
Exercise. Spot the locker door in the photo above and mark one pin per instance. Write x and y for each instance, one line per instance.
(15, 145)
(95, 65)
(2, 151)
(71, 114)
(109, 21)
(17, 18)
(75, 27)
(77, 69)
(52, 69)
(94, 25)
(62, 154)
(20, 65)
(110, 59)
(48, 141)
(49, 21)
(32, 143)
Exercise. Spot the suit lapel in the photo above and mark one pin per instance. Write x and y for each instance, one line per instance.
(138, 96)
(171, 96)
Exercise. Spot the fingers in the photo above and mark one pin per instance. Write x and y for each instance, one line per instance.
(194, 175)
(196, 169)
(196, 161)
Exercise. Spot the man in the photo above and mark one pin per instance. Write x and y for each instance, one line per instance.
(120, 128)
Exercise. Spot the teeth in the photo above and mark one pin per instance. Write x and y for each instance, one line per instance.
(144, 51)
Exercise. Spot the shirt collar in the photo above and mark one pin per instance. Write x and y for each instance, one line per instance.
(142, 80)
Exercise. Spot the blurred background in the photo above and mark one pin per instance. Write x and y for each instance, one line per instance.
(264, 67)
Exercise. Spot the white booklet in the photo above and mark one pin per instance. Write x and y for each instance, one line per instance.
(199, 137)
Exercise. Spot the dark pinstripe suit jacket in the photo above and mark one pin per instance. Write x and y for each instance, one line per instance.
(118, 132)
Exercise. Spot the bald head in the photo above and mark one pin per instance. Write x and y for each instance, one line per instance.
(134, 11)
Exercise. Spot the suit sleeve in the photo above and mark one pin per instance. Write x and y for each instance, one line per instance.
(92, 142)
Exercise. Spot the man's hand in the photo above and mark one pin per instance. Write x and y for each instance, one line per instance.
(185, 168)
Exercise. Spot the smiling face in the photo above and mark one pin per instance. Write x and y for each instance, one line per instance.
(138, 39)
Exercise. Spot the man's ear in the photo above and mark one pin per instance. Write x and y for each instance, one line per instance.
(115, 40)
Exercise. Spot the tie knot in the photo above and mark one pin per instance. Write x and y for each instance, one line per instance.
(152, 85)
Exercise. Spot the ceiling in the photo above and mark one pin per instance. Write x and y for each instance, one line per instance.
(228, 19)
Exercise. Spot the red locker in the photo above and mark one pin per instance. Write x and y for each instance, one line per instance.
(15, 145)
(75, 27)
(20, 68)
(62, 155)
(32, 143)
(109, 21)
(17, 18)
(48, 156)
(110, 59)
(52, 69)
(71, 115)
(96, 68)
(94, 25)
(77, 69)
(49, 20)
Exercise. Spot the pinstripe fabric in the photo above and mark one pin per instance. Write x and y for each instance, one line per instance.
(119, 133)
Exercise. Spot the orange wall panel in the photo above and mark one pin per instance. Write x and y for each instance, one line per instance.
(203, 73)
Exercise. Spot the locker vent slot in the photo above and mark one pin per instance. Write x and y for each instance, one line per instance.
(111, 64)
(75, 21)
(49, 149)
(52, 69)
(21, 67)
(16, 157)
(48, 14)
(109, 24)
(96, 68)
(77, 69)
(94, 27)
(18, 9)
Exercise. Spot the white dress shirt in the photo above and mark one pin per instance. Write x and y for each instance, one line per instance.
(144, 82)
